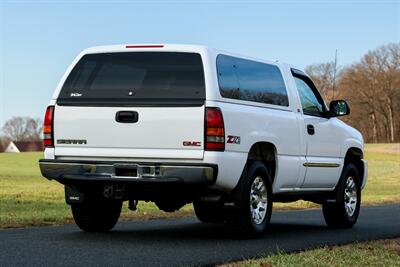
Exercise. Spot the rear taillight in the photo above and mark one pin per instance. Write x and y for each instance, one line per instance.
(48, 134)
(214, 130)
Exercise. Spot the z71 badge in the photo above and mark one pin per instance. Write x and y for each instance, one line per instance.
(233, 139)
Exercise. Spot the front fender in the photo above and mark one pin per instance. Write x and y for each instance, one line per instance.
(351, 143)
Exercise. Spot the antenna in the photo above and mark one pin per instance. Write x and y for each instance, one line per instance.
(334, 76)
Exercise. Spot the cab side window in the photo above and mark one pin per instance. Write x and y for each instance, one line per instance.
(250, 80)
(311, 101)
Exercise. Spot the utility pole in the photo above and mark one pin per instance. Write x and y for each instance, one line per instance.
(334, 76)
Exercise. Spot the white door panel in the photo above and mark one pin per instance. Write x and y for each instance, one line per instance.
(324, 141)
(323, 150)
(322, 137)
(322, 172)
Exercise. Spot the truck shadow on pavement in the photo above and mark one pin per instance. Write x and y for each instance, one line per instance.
(168, 230)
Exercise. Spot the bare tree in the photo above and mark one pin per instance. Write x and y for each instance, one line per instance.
(22, 129)
(4, 141)
(324, 75)
(385, 62)
(380, 68)
(34, 128)
(372, 86)
(358, 86)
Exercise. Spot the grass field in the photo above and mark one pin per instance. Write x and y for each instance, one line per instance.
(26, 198)
(372, 253)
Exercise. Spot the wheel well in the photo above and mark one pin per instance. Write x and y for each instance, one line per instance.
(265, 152)
(354, 156)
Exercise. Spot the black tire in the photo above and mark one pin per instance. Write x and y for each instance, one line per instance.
(208, 212)
(242, 222)
(100, 216)
(336, 214)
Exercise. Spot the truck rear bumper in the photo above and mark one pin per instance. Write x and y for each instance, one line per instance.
(69, 171)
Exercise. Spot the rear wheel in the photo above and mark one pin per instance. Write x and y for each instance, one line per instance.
(99, 216)
(254, 200)
(344, 212)
(208, 212)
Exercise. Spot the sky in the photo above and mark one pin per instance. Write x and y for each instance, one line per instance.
(39, 39)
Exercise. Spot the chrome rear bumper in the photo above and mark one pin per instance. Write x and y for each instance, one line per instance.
(62, 171)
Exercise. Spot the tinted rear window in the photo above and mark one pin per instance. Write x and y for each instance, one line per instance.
(133, 78)
(251, 80)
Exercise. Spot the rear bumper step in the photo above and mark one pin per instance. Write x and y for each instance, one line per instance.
(62, 170)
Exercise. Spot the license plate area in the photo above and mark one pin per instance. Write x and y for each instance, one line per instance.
(126, 171)
(135, 171)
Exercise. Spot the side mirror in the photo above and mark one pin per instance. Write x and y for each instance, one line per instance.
(338, 108)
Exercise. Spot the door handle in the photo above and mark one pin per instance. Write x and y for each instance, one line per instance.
(310, 129)
(127, 116)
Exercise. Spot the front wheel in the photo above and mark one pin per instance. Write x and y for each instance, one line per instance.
(253, 198)
(99, 216)
(344, 212)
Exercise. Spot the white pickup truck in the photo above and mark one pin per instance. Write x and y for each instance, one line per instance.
(176, 124)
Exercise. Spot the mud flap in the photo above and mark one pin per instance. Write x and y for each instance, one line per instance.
(73, 196)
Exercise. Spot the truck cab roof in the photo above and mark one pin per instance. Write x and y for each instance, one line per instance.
(194, 48)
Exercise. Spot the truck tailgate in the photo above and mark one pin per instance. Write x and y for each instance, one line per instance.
(160, 132)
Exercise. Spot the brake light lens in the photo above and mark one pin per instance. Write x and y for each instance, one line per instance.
(48, 136)
(144, 46)
(214, 130)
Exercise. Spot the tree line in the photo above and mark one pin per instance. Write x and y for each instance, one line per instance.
(371, 87)
(21, 129)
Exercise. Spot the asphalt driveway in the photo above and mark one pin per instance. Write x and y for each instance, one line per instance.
(172, 242)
